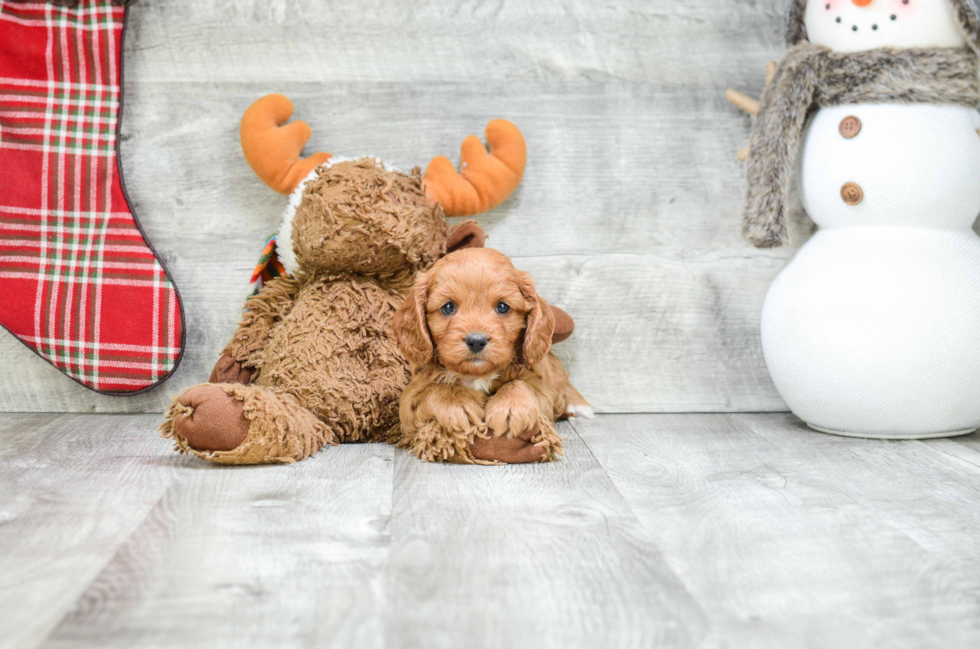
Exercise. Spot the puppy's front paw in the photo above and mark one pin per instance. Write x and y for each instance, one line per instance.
(513, 411)
(578, 410)
(458, 416)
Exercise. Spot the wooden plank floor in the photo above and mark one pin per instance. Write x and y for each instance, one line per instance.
(654, 531)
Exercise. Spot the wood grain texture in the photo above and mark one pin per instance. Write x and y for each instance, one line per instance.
(72, 490)
(627, 216)
(528, 556)
(791, 538)
(705, 531)
(112, 540)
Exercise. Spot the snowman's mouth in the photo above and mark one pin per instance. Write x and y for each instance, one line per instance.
(873, 26)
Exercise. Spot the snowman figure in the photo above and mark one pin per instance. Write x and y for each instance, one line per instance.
(873, 328)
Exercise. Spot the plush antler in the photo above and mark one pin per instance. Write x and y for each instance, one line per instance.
(487, 179)
(749, 105)
(273, 150)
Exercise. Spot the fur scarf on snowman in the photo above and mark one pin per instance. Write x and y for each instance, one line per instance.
(812, 77)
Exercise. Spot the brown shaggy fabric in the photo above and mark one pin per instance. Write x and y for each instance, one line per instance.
(324, 365)
(356, 217)
(813, 77)
(262, 312)
(334, 351)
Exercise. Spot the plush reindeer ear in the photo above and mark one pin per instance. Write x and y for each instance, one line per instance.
(539, 325)
(411, 328)
(466, 235)
(486, 179)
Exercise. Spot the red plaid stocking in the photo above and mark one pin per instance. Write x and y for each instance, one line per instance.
(78, 282)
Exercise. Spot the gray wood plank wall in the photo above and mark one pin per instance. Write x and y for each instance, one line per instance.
(627, 216)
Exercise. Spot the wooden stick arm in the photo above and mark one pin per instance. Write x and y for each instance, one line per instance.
(749, 105)
(742, 101)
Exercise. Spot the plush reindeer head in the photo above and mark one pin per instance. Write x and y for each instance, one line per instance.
(359, 216)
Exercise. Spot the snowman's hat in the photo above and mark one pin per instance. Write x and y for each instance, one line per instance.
(967, 12)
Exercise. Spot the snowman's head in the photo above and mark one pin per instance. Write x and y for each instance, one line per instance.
(857, 25)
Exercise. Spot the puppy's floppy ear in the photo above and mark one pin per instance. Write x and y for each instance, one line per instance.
(539, 325)
(411, 328)
(466, 235)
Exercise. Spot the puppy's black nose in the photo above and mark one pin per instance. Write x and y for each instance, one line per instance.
(476, 342)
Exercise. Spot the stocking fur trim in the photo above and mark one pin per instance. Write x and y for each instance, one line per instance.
(967, 13)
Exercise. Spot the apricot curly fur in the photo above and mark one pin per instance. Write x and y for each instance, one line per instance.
(512, 389)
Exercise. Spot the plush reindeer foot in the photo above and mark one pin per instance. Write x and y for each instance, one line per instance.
(540, 443)
(239, 424)
(509, 450)
(228, 370)
(210, 419)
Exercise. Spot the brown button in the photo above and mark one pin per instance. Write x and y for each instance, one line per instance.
(852, 193)
(850, 127)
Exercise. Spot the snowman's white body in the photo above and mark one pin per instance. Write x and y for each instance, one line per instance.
(873, 329)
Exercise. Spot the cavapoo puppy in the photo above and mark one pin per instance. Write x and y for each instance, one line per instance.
(485, 386)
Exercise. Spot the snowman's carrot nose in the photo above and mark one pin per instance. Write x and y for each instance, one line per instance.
(862, 3)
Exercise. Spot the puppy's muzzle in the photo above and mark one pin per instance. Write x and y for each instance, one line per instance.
(476, 342)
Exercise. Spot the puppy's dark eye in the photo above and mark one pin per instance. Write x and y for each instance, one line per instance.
(502, 308)
(448, 308)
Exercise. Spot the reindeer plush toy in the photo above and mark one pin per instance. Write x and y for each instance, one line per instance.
(314, 361)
